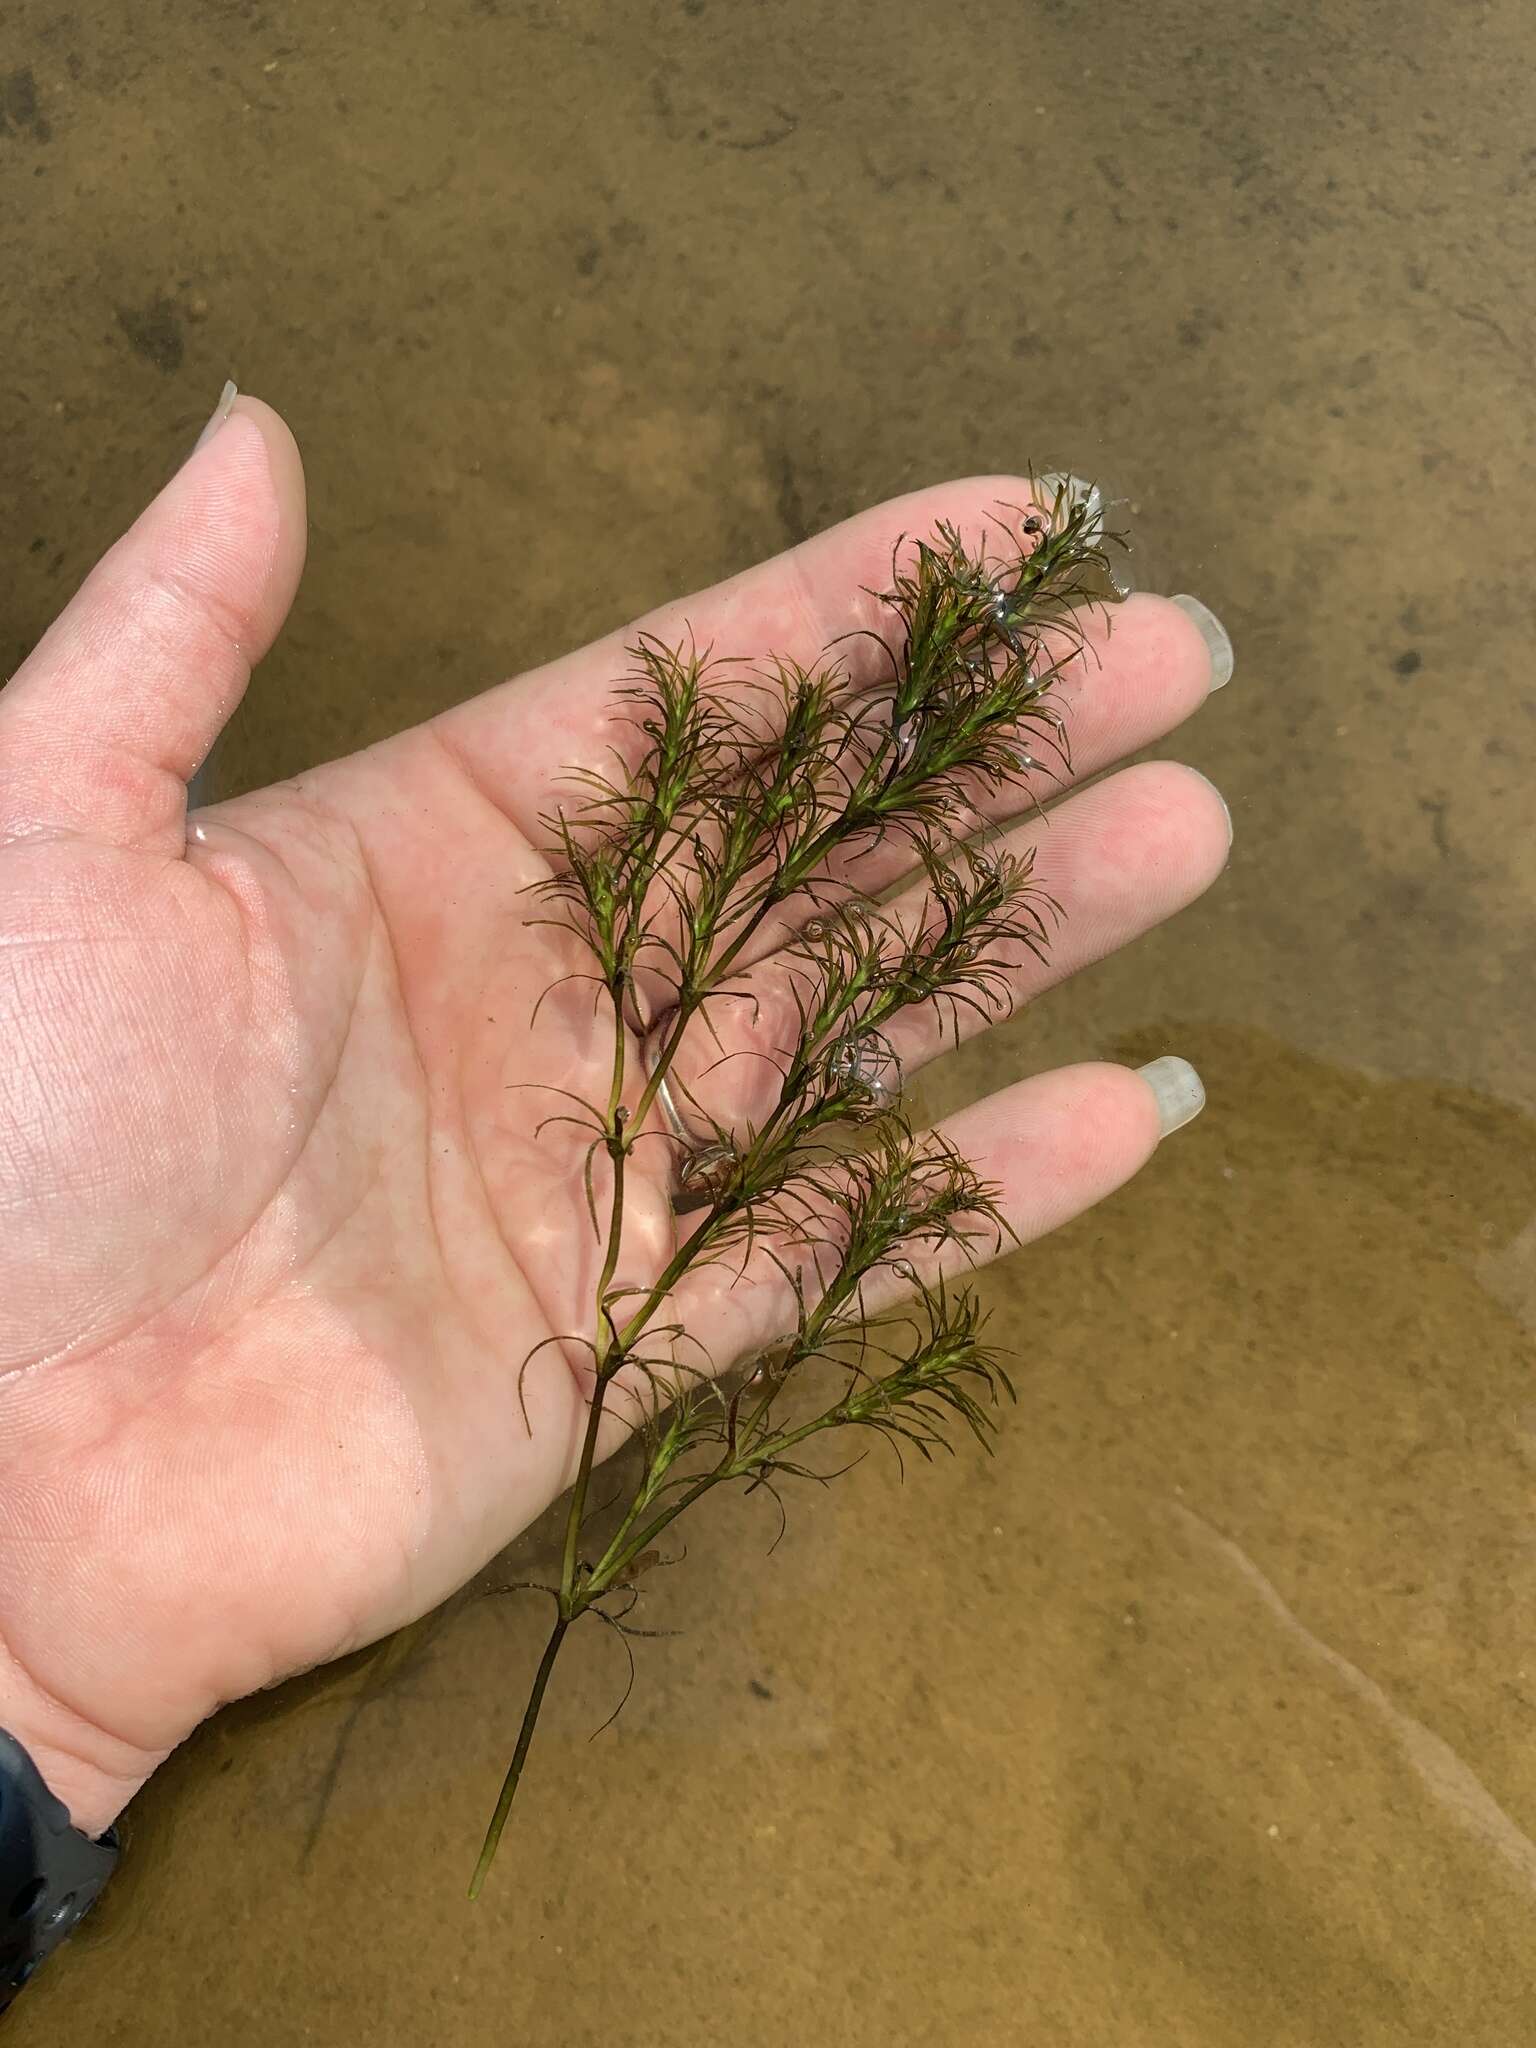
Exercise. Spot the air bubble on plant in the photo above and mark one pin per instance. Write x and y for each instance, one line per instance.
(866, 1072)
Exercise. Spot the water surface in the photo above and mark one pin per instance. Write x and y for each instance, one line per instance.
(1204, 1714)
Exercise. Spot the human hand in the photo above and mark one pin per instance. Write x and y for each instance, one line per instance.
(280, 1230)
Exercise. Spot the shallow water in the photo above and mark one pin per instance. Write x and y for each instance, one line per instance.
(1204, 1714)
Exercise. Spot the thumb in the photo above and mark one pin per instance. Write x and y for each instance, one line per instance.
(108, 719)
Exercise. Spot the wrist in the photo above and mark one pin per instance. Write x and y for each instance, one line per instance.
(91, 1772)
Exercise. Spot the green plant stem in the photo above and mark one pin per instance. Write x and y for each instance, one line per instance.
(608, 1360)
(719, 967)
(731, 1468)
(509, 1784)
(609, 1355)
(687, 1252)
(625, 1547)
(621, 1553)
(571, 1555)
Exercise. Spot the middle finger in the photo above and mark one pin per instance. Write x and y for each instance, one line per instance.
(1121, 857)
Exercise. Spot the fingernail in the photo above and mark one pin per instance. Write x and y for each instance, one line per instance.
(1226, 808)
(227, 398)
(1218, 641)
(1178, 1091)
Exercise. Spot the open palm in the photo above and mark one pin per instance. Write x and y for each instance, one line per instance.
(280, 1227)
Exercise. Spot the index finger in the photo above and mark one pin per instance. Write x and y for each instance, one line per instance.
(521, 741)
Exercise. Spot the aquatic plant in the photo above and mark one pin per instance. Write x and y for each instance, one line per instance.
(751, 800)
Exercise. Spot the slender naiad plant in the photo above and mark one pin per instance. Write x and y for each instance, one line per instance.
(752, 799)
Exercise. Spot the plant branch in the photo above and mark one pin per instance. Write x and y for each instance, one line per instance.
(513, 1779)
(713, 820)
